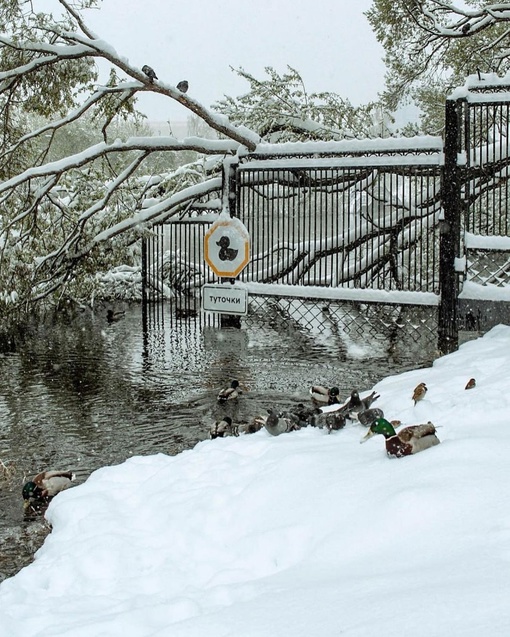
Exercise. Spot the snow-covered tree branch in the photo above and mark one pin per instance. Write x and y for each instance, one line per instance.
(80, 178)
(59, 206)
(432, 45)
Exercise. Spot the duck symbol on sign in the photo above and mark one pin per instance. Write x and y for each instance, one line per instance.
(226, 253)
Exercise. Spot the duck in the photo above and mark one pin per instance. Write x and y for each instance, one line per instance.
(277, 424)
(334, 421)
(407, 441)
(369, 416)
(254, 425)
(113, 317)
(223, 428)
(230, 393)
(324, 395)
(419, 393)
(38, 492)
(305, 415)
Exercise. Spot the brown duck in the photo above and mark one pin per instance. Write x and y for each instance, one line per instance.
(407, 441)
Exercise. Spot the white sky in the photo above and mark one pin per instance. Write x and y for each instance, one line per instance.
(297, 535)
(328, 41)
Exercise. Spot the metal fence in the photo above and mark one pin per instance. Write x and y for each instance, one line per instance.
(390, 239)
(483, 116)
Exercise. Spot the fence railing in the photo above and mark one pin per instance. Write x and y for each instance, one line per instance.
(413, 222)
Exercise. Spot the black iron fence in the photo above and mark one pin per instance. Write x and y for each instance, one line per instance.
(382, 237)
(482, 117)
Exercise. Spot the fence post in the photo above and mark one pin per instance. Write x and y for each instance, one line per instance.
(229, 198)
(449, 230)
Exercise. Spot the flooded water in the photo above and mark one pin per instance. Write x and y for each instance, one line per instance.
(79, 394)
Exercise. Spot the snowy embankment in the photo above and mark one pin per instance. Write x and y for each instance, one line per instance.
(297, 535)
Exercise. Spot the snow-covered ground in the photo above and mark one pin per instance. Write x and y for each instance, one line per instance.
(297, 535)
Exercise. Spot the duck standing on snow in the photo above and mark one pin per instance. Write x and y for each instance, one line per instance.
(369, 416)
(277, 424)
(407, 441)
(230, 393)
(39, 492)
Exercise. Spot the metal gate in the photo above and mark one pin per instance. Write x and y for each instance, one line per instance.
(388, 238)
(344, 238)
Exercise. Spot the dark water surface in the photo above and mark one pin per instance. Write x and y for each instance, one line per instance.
(80, 394)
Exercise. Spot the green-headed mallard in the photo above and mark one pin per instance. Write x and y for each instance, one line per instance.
(230, 393)
(223, 428)
(39, 492)
(407, 441)
(323, 395)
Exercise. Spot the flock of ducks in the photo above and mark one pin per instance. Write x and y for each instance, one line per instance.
(326, 412)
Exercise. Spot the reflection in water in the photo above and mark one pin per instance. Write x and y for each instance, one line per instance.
(80, 394)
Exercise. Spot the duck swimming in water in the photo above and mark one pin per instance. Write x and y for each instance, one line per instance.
(39, 492)
(324, 396)
(230, 393)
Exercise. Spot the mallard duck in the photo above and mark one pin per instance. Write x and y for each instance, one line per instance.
(223, 428)
(230, 393)
(277, 424)
(369, 416)
(407, 441)
(334, 421)
(325, 396)
(303, 415)
(39, 492)
(419, 392)
(331, 420)
(113, 317)
(255, 425)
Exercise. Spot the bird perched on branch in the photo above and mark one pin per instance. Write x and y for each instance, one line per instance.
(183, 86)
(419, 392)
(407, 441)
(39, 492)
(150, 73)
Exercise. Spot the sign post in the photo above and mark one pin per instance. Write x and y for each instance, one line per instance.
(225, 299)
(227, 253)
